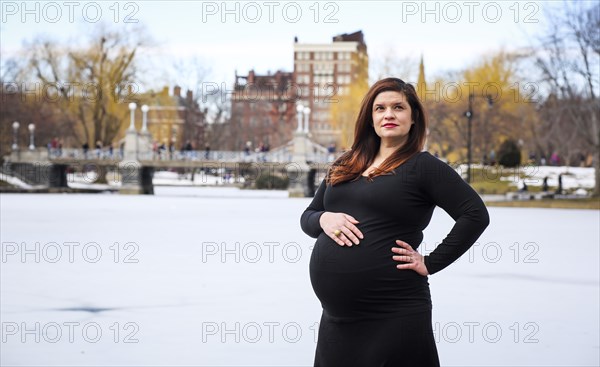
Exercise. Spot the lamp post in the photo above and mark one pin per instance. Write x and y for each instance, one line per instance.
(469, 115)
(145, 109)
(15, 126)
(300, 110)
(306, 114)
(300, 144)
(132, 107)
(31, 128)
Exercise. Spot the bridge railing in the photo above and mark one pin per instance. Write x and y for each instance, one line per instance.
(229, 156)
(281, 156)
(100, 154)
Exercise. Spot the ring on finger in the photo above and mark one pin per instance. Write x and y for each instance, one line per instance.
(337, 233)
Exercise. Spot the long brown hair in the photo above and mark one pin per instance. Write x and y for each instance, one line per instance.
(351, 164)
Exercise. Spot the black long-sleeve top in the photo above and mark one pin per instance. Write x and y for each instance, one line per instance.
(362, 280)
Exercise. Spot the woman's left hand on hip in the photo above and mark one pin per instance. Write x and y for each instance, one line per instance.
(412, 259)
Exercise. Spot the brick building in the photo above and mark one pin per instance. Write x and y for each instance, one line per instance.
(263, 107)
(175, 119)
(262, 110)
(324, 72)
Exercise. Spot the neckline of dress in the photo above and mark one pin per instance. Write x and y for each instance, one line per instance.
(394, 170)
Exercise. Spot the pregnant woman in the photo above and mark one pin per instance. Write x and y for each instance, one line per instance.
(368, 216)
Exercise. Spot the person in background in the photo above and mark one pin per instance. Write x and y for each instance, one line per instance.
(98, 149)
(85, 147)
(545, 184)
(559, 190)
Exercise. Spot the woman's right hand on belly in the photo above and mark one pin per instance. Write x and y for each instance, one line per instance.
(341, 228)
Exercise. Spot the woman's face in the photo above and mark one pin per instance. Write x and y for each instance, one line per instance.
(392, 117)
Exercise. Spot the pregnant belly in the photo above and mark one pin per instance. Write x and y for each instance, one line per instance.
(363, 281)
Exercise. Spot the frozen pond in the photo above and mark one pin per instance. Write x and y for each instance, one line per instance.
(219, 277)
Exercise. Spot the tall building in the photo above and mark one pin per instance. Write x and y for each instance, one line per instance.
(325, 72)
(421, 84)
(422, 93)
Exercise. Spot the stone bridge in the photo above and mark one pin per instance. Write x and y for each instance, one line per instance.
(299, 160)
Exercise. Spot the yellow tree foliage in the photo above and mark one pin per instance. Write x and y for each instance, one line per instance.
(502, 107)
(90, 85)
(346, 105)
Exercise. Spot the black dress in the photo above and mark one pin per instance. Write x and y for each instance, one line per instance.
(373, 313)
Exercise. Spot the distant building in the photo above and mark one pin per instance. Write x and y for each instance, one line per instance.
(263, 107)
(173, 119)
(323, 72)
(421, 83)
(262, 110)
(421, 89)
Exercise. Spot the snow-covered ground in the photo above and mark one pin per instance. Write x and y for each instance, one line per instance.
(573, 177)
(15, 181)
(219, 277)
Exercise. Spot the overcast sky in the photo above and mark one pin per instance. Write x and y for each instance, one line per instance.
(259, 35)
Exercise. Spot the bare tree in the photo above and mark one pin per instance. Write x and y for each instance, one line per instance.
(569, 62)
(218, 130)
(90, 85)
(389, 64)
(19, 104)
